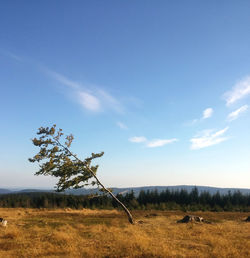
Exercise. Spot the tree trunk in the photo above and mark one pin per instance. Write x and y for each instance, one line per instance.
(130, 218)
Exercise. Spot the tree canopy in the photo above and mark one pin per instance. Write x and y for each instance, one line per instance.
(56, 159)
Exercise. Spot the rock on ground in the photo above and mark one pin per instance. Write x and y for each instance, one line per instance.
(191, 218)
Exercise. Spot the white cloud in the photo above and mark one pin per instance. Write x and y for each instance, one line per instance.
(91, 98)
(109, 100)
(207, 113)
(160, 142)
(138, 139)
(89, 101)
(152, 143)
(235, 114)
(208, 138)
(239, 91)
(122, 125)
(65, 81)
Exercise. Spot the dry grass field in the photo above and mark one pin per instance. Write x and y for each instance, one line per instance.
(104, 233)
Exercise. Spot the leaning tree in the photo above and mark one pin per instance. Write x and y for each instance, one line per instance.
(55, 159)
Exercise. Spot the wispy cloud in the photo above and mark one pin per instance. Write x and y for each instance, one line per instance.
(122, 125)
(89, 101)
(91, 98)
(64, 80)
(160, 142)
(235, 114)
(11, 55)
(109, 100)
(16, 57)
(138, 139)
(208, 138)
(152, 143)
(208, 112)
(239, 91)
(191, 122)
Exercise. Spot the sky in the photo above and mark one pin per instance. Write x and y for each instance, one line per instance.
(162, 87)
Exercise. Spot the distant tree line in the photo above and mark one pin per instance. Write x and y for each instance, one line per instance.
(146, 200)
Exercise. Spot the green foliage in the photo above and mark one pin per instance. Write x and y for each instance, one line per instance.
(55, 159)
(59, 161)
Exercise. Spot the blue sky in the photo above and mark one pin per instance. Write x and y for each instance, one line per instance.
(162, 87)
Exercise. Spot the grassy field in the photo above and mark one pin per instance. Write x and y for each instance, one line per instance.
(104, 233)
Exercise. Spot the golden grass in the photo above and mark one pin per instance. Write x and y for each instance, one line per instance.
(106, 233)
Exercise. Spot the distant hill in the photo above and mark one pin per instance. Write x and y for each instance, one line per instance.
(33, 191)
(136, 190)
(4, 191)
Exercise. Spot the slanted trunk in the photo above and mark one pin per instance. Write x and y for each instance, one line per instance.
(130, 218)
